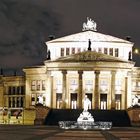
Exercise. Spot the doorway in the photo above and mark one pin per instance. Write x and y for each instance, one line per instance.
(117, 101)
(103, 101)
(73, 100)
(58, 100)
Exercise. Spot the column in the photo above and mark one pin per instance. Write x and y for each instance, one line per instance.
(128, 92)
(64, 89)
(80, 88)
(96, 90)
(49, 89)
(126, 87)
(113, 77)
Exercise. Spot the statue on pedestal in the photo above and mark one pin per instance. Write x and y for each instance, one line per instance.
(87, 103)
(85, 116)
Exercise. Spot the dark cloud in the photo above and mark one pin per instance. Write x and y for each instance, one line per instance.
(24, 27)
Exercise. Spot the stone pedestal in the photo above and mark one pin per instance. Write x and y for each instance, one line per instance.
(134, 115)
(41, 113)
(28, 116)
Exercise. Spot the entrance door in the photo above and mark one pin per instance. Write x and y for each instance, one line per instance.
(73, 100)
(58, 100)
(117, 101)
(103, 101)
(89, 95)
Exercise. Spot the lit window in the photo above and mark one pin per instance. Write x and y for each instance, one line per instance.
(134, 84)
(43, 85)
(67, 51)
(111, 51)
(33, 85)
(59, 85)
(79, 50)
(88, 82)
(88, 85)
(62, 51)
(99, 50)
(105, 51)
(104, 85)
(33, 102)
(73, 50)
(138, 83)
(38, 84)
(84, 49)
(73, 84)
(116, 52)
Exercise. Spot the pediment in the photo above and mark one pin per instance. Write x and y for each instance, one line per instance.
(86, 35)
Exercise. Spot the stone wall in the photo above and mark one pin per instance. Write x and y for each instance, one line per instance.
(41, 113)
(29, 116)
(134, 115)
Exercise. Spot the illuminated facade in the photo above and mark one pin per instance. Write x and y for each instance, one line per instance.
(87, 63)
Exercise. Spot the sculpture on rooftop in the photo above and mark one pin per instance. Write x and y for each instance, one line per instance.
(90, 25)
(89, 45)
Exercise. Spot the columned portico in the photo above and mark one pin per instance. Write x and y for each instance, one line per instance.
(80, 88)
(96, 90)
(113, 77)
(64, 89)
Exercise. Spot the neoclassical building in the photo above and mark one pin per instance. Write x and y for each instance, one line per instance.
(86, 63)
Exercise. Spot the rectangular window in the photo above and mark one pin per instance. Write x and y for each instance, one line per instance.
(73, 84)
(99, 50)
(84, 49)
(13, 102)
(111, 51)
(33, 101)
(33, 85)
(62, 51)
(43, 84)
(22, 90)
(9, 90)
(38, 85)
(18, 90)
(73, 50)
(9, 101)
(14, 90)
(116, 52)
(105, 51)
(67, 51)
(79, 50)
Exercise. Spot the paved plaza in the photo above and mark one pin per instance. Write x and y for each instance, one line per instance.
(16, 132)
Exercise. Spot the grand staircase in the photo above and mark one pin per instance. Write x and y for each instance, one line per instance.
(117, 117)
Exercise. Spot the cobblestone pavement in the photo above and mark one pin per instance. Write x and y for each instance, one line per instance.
(16, 132)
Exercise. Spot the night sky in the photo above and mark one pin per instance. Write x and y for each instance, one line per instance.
(26, 24)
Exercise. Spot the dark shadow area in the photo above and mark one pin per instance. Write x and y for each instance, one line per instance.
(119, 118)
